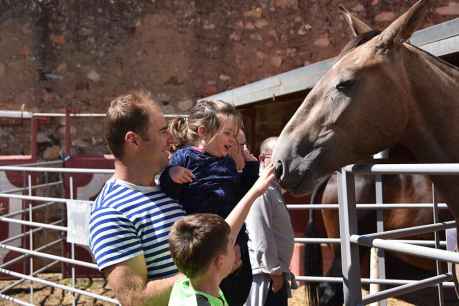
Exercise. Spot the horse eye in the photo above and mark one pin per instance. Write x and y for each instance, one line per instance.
(345, 85)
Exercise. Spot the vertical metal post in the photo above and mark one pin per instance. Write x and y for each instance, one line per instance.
(380, 224)
(349, 251)
(33, 140)
(438, 264)
(29, 184)
(72, 247)
(67, 133)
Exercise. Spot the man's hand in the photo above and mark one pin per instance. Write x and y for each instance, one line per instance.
(277, 281)
(181, 175)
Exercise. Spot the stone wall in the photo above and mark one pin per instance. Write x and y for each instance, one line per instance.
(82, 53)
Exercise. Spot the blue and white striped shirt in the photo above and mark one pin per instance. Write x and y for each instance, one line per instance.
(128, 220)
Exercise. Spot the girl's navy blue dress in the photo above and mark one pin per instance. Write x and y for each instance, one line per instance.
(216, 188)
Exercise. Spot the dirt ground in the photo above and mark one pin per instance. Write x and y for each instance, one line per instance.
(44, 295)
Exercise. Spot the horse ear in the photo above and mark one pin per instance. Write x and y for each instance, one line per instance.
(402, 28)
(356, 25)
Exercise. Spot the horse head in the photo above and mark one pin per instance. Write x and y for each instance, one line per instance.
(359, 107)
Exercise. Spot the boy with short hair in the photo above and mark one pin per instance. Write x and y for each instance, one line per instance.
(204, 251)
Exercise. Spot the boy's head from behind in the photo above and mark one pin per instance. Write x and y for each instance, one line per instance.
(200, 242)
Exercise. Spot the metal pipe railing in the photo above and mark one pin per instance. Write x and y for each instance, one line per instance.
(407, 288)
(92, 115)
(32, 223)
(60, 170)
(35, 207)
(404, 232)
(425, 169)
(9, 239)
(59, 286)
(380, 281)
(18, 282)
(41, 163)
(411, 249)
(374, 239)
(366, 206)
(14, 300)
(381, 240)
(25, 256)
(50, 256)
(338, 241)
(34, 187)
(33, 198)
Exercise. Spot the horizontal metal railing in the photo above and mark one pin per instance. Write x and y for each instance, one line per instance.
(384, 240)
(15, 217)
(416, 244)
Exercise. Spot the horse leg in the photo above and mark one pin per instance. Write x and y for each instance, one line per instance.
(312, 252)
(331, 294)
(312, 261)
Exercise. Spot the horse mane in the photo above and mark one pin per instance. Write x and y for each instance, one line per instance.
(358, 40)
(435, 58)
(367, 36)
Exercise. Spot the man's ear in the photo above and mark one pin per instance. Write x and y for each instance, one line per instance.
(131, 138)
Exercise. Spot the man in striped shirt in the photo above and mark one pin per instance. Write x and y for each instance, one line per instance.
(131, 218)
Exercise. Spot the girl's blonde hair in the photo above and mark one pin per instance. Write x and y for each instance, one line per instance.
(203, 114)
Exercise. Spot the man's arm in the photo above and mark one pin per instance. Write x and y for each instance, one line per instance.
(129, 282)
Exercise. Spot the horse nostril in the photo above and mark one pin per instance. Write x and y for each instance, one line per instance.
(279, 170)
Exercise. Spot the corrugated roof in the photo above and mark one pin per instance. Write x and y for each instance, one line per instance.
(439, 40)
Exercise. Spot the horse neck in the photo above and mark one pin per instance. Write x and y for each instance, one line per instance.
(433, 128)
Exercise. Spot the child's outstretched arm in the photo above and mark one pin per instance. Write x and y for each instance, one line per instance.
(237, 216)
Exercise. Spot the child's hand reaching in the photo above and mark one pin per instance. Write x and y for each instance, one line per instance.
(181, 175)
(248, 156)
(237, 155)
(264, 181)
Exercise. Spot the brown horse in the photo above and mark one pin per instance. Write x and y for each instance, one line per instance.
(381, 92)
(397, 189)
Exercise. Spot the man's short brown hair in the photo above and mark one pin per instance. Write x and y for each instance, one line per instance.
(196, 240)
(127, 113)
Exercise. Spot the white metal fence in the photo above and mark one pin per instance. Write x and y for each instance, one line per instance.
(387, 240)
(347, 207)
(36, 226)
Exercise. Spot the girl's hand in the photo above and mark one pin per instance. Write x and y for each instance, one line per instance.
(264, 181)
(237, 155)
(248, 156)
(181, 175)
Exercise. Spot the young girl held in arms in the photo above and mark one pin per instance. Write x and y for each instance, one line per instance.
(211, 174)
